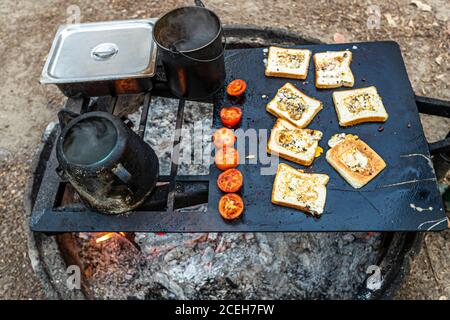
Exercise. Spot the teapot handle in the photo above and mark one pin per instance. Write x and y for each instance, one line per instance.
(65, 116)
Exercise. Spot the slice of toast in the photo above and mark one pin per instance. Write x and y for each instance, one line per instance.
(294, 106)
(358, 106)
(288, 63)
(333, 69)
(293, 144)
(354, 160)
(296, 189)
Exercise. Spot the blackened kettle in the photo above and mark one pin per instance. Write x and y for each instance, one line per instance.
(110, 166)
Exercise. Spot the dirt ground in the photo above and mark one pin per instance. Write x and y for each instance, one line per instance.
(27, 28)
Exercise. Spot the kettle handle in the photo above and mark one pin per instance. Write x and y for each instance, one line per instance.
(61, 174)
(199, 3)
(123, 175)
(174, 50)
(65, 116)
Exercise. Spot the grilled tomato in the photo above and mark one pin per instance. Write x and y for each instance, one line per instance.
(231, 206)
(226, 158)
(230, 180)
(224, 137)
(236, 87)
(230, 116)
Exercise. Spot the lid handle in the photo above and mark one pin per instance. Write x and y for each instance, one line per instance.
(104, 51)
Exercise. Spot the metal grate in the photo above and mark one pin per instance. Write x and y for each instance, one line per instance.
(383, 205)
(57, 209)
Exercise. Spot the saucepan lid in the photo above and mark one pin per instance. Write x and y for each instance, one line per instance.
(101, 51)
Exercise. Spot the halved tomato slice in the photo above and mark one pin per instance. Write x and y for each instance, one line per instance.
(236, 87)
(224, 137)
(230, 180)
(231, 206)
(226, 158)
(230, 116)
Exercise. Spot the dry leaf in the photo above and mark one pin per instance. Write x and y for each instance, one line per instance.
(421, 6)
(339, 37)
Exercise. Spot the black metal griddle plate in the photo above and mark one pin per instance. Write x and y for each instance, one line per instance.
(403, 197)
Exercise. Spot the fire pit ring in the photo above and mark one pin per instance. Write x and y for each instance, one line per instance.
(396, 251)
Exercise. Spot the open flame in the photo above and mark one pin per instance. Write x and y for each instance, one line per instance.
(108, 236)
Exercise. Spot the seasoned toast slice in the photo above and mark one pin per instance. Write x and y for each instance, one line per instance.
(333, 69)
(354, 160)
(293, 144)
(294, 106)
(358, 106)
(288, 63)
(296, 189)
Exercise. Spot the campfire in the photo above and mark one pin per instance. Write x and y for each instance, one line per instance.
(149, 265)
(108, 236)
(223, 266)
(162, 190)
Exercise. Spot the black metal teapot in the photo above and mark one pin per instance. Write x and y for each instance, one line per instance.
(111, 167)
(191, 46)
